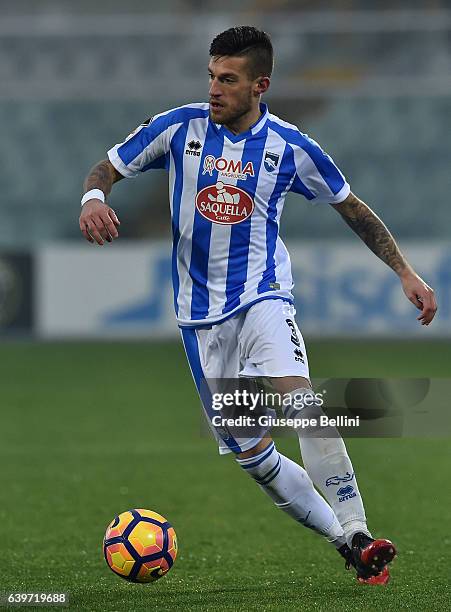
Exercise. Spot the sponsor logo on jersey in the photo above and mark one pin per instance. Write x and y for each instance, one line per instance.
(345, 493)
(335, 480)
(193, 148)
(229, 168)
(224, 204)
(271, 161)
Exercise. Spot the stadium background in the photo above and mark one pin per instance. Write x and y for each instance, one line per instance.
(98, 410)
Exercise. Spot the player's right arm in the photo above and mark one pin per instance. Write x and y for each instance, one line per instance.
(97, 220)
(145, 148)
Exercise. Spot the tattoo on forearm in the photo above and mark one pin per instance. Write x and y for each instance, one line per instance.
(102, 176)
(367, 225)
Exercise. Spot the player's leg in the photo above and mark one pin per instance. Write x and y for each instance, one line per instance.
(328, 464)
(326, 459)
(324, 455)
(215, 354)
(291, 490)
(275, 350)
(207, 357)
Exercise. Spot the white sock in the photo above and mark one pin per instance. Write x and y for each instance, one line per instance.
(290, 488)
(328, 465)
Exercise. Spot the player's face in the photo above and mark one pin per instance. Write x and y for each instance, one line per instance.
(232, 92)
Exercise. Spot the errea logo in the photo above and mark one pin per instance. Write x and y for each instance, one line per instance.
(345, 493)
(193, 148)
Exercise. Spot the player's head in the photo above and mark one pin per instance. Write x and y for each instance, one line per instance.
(240, 68)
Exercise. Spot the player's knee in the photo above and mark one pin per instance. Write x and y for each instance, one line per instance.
(255, 450)
(305, 404)
(290, 384)
(263, 466)
(307, 409)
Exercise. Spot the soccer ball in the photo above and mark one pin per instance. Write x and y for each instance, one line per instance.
(140, 545)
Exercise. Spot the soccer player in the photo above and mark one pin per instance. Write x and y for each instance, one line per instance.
(231, 163)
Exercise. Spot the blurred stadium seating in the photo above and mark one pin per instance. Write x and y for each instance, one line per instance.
(371, 87)
(392, 150)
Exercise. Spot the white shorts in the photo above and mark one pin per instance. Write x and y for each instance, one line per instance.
(262, 341)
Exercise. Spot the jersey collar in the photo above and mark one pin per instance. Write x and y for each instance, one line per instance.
(254, 129)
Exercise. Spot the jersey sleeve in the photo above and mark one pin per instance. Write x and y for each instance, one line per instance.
(146, 148)
(317, 177)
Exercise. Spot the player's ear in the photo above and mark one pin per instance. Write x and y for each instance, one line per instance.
(262, 85)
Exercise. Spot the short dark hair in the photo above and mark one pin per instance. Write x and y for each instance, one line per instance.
(246, 41)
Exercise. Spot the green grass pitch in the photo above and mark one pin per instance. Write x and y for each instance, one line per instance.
(89, 430)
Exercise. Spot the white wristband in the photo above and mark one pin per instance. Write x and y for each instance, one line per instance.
(92, 194)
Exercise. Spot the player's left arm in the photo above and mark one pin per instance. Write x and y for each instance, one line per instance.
(367, 225)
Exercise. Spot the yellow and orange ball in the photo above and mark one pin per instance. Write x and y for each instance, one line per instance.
(140, 545)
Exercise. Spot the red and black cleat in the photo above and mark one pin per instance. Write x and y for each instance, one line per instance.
(381, 578)
(371, 557)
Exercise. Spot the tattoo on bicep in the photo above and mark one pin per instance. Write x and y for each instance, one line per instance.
(367, 225)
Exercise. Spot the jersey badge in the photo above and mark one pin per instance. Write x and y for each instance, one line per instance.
(271, 161)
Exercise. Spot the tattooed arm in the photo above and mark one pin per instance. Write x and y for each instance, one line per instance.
(98, 221)
(102, 176)
(367, 225)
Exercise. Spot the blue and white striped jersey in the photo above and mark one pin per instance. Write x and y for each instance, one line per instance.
(226, 195)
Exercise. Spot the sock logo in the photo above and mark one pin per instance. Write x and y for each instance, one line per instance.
(345, 493)
(335, 480)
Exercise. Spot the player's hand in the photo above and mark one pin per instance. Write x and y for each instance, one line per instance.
(98, 222)
(420, 294)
